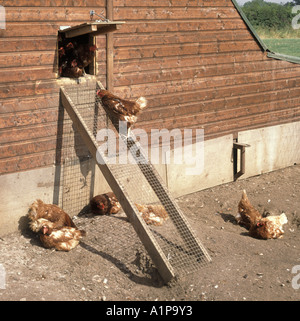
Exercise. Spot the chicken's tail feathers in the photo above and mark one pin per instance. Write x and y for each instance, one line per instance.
(32, 211)
(244, 202)
(142, 102)
(283, 219)
(244, 199)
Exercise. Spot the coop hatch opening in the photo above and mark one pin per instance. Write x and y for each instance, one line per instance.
(77, 50)
(76, 56)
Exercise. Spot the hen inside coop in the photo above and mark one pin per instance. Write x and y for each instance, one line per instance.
(77, 50)
(76, 56)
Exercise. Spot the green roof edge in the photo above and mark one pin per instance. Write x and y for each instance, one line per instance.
(249, 25)
(270, 53)
(279, 56)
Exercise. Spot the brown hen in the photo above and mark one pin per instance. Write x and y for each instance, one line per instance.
(269, 227)
(64, 239)
(104, 204)
(124, 110)
(153, 214)
(49, 212)
(247, 214)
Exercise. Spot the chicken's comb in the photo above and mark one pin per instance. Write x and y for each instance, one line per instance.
(70, 45)
(93, 48)
(74, 63)
(99, 92)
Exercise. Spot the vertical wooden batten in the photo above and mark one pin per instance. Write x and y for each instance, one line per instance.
(109, 48)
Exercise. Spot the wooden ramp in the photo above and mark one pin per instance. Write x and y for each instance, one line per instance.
(173, 247)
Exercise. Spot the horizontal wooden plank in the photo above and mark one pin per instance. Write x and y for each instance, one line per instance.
(34, 29)
(46, 28)
(198, 61)
(22, 163)
(53, 3)
(226, 125)
(26, 74)
(29, 118)
(195, 84)
(29, 58)
(29, 133)
(192, 72)
(205, 78)
(253, 110)
(211, 100)
(29, 88)
(152, 26)
(27, 148)
(180, 37)
(261, 102)
(15, 105)
(127, 53)
(50, 28)
(26, 14)
(247, 123)
(211, 132)
(19, 44)
(215, 102)
(117, 3)
(30, 148)
(174, 3)
(215, 110)
(164, 13)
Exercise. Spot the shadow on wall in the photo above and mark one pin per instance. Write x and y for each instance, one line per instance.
(75, 168)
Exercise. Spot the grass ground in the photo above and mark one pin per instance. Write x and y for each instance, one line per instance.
(289, 47)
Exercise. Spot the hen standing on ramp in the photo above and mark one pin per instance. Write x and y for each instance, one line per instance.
(124, 110)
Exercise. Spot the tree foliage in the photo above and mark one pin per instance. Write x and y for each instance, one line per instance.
(269, 15)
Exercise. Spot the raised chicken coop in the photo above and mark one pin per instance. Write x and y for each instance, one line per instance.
(199, 64)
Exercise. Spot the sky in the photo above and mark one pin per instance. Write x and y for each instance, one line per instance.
(241, 2)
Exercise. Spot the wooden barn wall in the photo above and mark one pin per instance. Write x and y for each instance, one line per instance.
(194, 60)
(200, 67)
(29, 90)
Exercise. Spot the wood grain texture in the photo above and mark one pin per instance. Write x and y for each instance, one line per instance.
(194, 60)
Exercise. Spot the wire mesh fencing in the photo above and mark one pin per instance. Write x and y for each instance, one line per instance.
(137, 178)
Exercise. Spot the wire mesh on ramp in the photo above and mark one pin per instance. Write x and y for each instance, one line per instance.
(174, 243)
